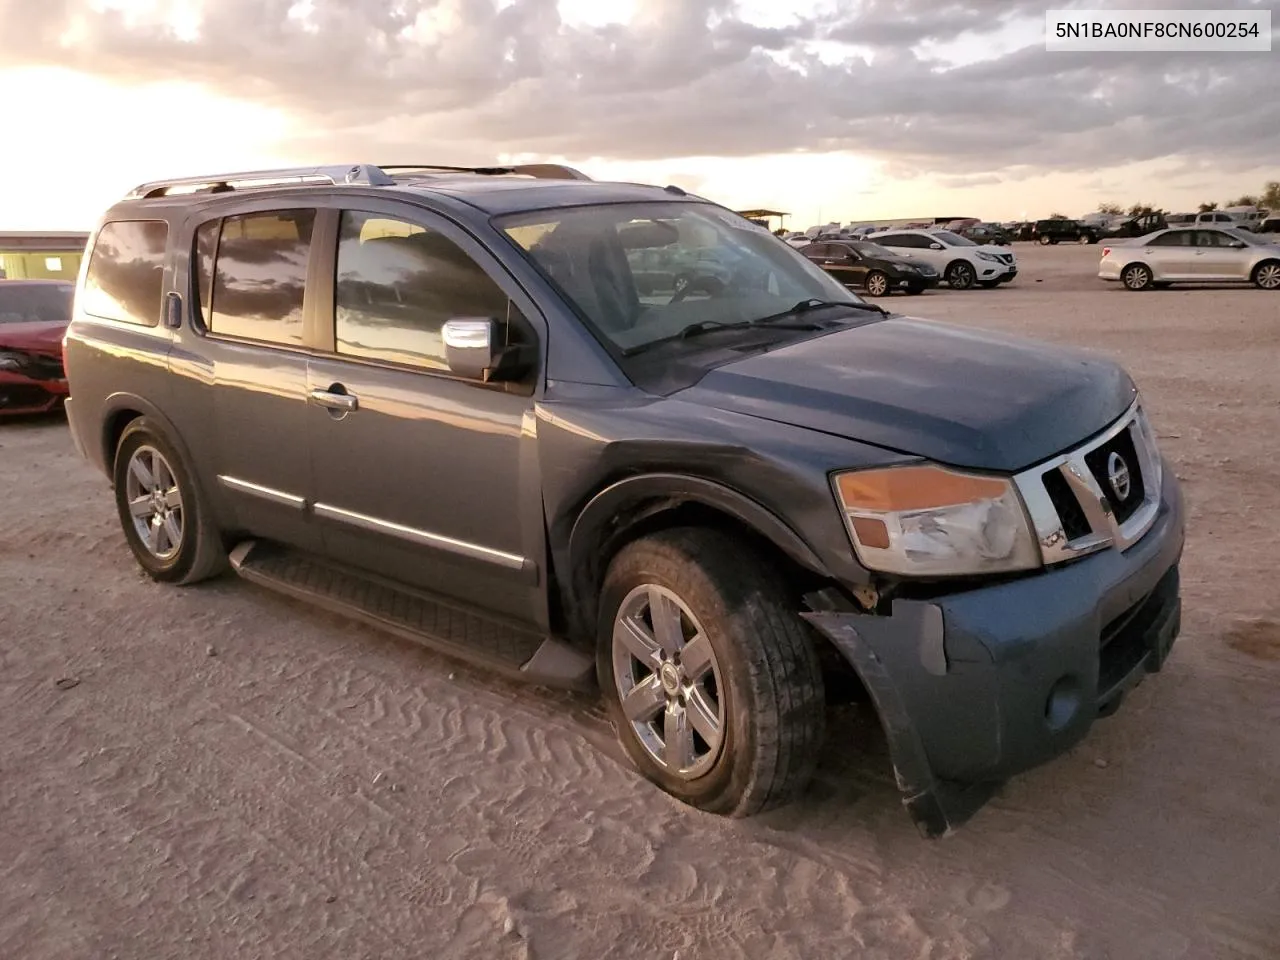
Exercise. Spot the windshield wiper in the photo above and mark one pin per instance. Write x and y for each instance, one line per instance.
(703, 327)
(813, 303)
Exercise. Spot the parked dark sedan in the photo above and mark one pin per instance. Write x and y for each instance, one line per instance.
(33, 317)
(870, 267)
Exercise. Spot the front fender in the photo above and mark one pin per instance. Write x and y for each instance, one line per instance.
(600, 519)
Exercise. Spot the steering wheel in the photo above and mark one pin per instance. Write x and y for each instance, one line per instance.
(694, 282)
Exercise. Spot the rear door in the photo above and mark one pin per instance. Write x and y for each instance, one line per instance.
(420, 476)
(1170, 255)
(242, 370)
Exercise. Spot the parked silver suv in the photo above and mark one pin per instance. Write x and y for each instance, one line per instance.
(441, 401)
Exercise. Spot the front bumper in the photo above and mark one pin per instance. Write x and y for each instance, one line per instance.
(23, 395)
(921, 281)
(977, 686)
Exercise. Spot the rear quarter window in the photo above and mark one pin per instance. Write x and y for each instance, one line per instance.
(125, 277)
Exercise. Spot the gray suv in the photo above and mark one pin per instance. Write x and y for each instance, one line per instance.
(437, 400)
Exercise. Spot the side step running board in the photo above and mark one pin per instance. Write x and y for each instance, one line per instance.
(516, 653)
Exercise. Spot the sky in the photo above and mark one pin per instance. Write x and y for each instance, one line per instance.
(834, 110)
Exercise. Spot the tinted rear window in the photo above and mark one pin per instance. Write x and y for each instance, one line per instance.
(126, 272)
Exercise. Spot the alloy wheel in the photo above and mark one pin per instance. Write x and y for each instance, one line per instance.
(1269, 276)
(155, 502)
(877, 285)
(668, 681)
(1137, 277)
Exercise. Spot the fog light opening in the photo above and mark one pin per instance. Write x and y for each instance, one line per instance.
(1063, 704)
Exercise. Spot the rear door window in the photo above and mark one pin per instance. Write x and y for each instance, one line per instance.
(1174, 238)
(126, 272)
(260, 276)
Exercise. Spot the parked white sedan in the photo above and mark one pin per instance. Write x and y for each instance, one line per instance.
(961, 262)
(1192, 255)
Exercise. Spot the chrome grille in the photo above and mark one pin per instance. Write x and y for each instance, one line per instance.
(1074, 507)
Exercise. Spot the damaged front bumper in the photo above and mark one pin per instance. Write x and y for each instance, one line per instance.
(977, 686)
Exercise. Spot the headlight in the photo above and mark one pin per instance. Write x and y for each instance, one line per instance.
(925, 520)
(10, 361)
(988, 256)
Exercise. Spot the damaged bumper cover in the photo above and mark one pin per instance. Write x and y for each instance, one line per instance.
(977, 686)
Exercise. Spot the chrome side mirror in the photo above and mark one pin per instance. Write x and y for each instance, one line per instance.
(476, 348)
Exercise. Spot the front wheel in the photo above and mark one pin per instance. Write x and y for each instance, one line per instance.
(877, 283)
(961, 275)
(168, 528)
(1085, 238)
(710, 677)
(1266, 276)
(1045, 240)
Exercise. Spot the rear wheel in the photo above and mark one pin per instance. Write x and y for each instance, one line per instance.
(1045, 240)
(877, 283)
(1266, 275)
(711, 679)
(961, 275)
(1085, 238)
(166, 524)
(1137, 276)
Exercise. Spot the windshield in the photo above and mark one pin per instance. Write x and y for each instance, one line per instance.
(1239, 233)
(953, 239)
(35, 302)
(642, 272)
(873, 250)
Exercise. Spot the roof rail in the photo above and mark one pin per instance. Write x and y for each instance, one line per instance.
(359, 173)
(542, 171)
(365, 174)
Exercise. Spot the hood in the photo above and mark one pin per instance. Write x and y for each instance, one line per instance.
(951, 394)
(39, 337)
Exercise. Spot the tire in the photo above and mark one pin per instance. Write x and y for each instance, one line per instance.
(961, 275)
(761, 680)
(1266, 275)
(876, 283)
(185, 545)
(1045, 240)
(915, 289)
(1085, 238)
(1162, 284)
(1137, 276)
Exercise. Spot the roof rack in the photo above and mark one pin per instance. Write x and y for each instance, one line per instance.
(542, 171)
(363, 174)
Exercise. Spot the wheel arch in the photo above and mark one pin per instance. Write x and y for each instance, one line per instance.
(636, 506)
(121, 409)
(1257, 267)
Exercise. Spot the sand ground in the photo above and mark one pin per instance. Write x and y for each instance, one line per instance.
(235, 775)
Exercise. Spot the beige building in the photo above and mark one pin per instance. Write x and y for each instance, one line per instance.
(41, 256)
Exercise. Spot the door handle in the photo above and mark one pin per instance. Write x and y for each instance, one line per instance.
(343, 402)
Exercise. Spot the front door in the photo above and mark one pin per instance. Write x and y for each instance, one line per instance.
(1216, 258)
(422, 477)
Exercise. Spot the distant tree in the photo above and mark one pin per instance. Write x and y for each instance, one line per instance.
(1058, 216)
(1244, 200)
(1206, 207)
(1140, 209)
(1271, 196)
(1113, 209)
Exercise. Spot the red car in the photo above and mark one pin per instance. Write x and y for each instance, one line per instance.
(33, 318)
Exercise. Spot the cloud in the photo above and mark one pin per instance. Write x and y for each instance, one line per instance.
(468, 80)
